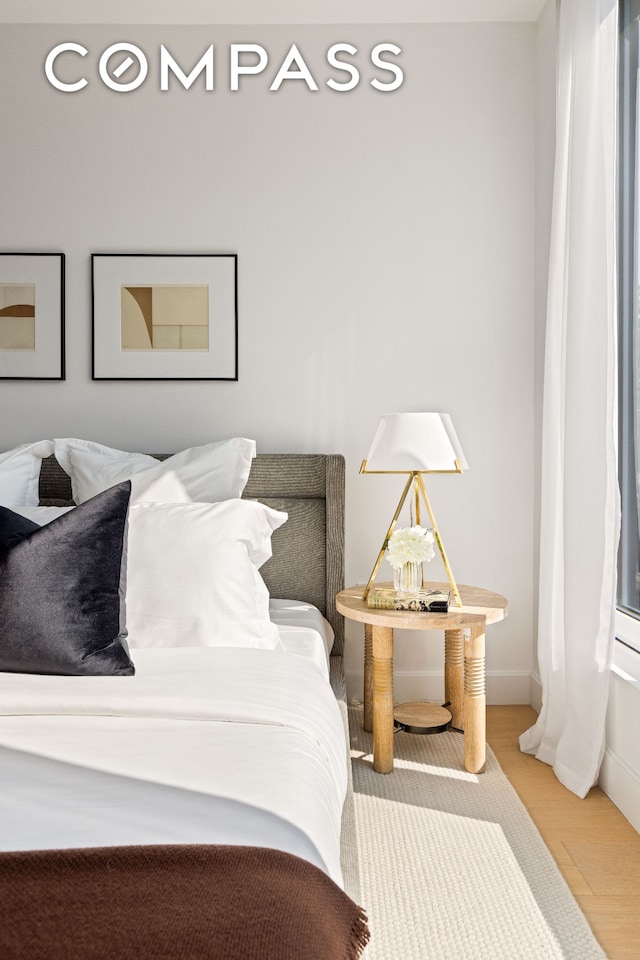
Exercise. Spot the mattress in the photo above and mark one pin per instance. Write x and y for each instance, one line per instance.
(203, 745)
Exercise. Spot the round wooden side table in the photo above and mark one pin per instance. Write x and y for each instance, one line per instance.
(464, 679)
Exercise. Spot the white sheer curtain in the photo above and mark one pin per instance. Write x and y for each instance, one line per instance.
(580, 513)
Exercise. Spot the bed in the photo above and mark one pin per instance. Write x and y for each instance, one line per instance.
(206, 799)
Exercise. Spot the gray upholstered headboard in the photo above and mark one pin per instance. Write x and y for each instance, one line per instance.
(308, 551)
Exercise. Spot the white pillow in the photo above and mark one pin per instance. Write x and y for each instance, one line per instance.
(214, 471)
(41, 515)
(20, 473)
(192, 574)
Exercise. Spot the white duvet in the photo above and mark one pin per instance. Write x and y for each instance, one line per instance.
(202, 745)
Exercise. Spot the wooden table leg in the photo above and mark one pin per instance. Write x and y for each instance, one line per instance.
(475, 749)
(368, 678)
(453, 674)
(382, 650)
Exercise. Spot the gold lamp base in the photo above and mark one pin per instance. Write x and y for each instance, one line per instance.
(414, 479)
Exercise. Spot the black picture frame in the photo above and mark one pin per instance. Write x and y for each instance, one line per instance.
(164, 316)
(32, 316)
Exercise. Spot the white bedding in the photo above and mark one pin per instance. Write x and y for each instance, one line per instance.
(203, 745)
(303, 631)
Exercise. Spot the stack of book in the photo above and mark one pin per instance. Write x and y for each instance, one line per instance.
(422, 601)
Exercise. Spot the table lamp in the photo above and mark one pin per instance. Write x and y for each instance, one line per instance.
(413, 444)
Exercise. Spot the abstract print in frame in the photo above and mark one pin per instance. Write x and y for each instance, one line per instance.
(32, 316)
(165, 316)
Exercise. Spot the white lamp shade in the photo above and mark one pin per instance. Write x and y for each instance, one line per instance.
(415, 441)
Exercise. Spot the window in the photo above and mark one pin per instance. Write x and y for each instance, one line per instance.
(628, 620)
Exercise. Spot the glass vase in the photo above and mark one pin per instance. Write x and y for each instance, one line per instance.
(408, 578)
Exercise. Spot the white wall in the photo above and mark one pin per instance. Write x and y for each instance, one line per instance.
(545, 153)
(386, 263)
(268, 11)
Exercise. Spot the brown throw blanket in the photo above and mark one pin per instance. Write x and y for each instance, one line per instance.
(173, 903)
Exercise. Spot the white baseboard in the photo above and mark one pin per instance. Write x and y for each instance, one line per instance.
(535, 693)
(622, 785)
(502, 686)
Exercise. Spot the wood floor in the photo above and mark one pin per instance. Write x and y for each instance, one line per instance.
(596, 848)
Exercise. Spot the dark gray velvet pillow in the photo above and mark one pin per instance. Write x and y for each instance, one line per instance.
(14, 528)
(61, 599)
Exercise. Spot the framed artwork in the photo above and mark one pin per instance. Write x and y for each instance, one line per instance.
(31, 316)
(165, 316)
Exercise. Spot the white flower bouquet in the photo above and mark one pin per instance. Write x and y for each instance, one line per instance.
(410, 545)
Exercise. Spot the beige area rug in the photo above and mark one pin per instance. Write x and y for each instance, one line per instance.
(451, 864)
